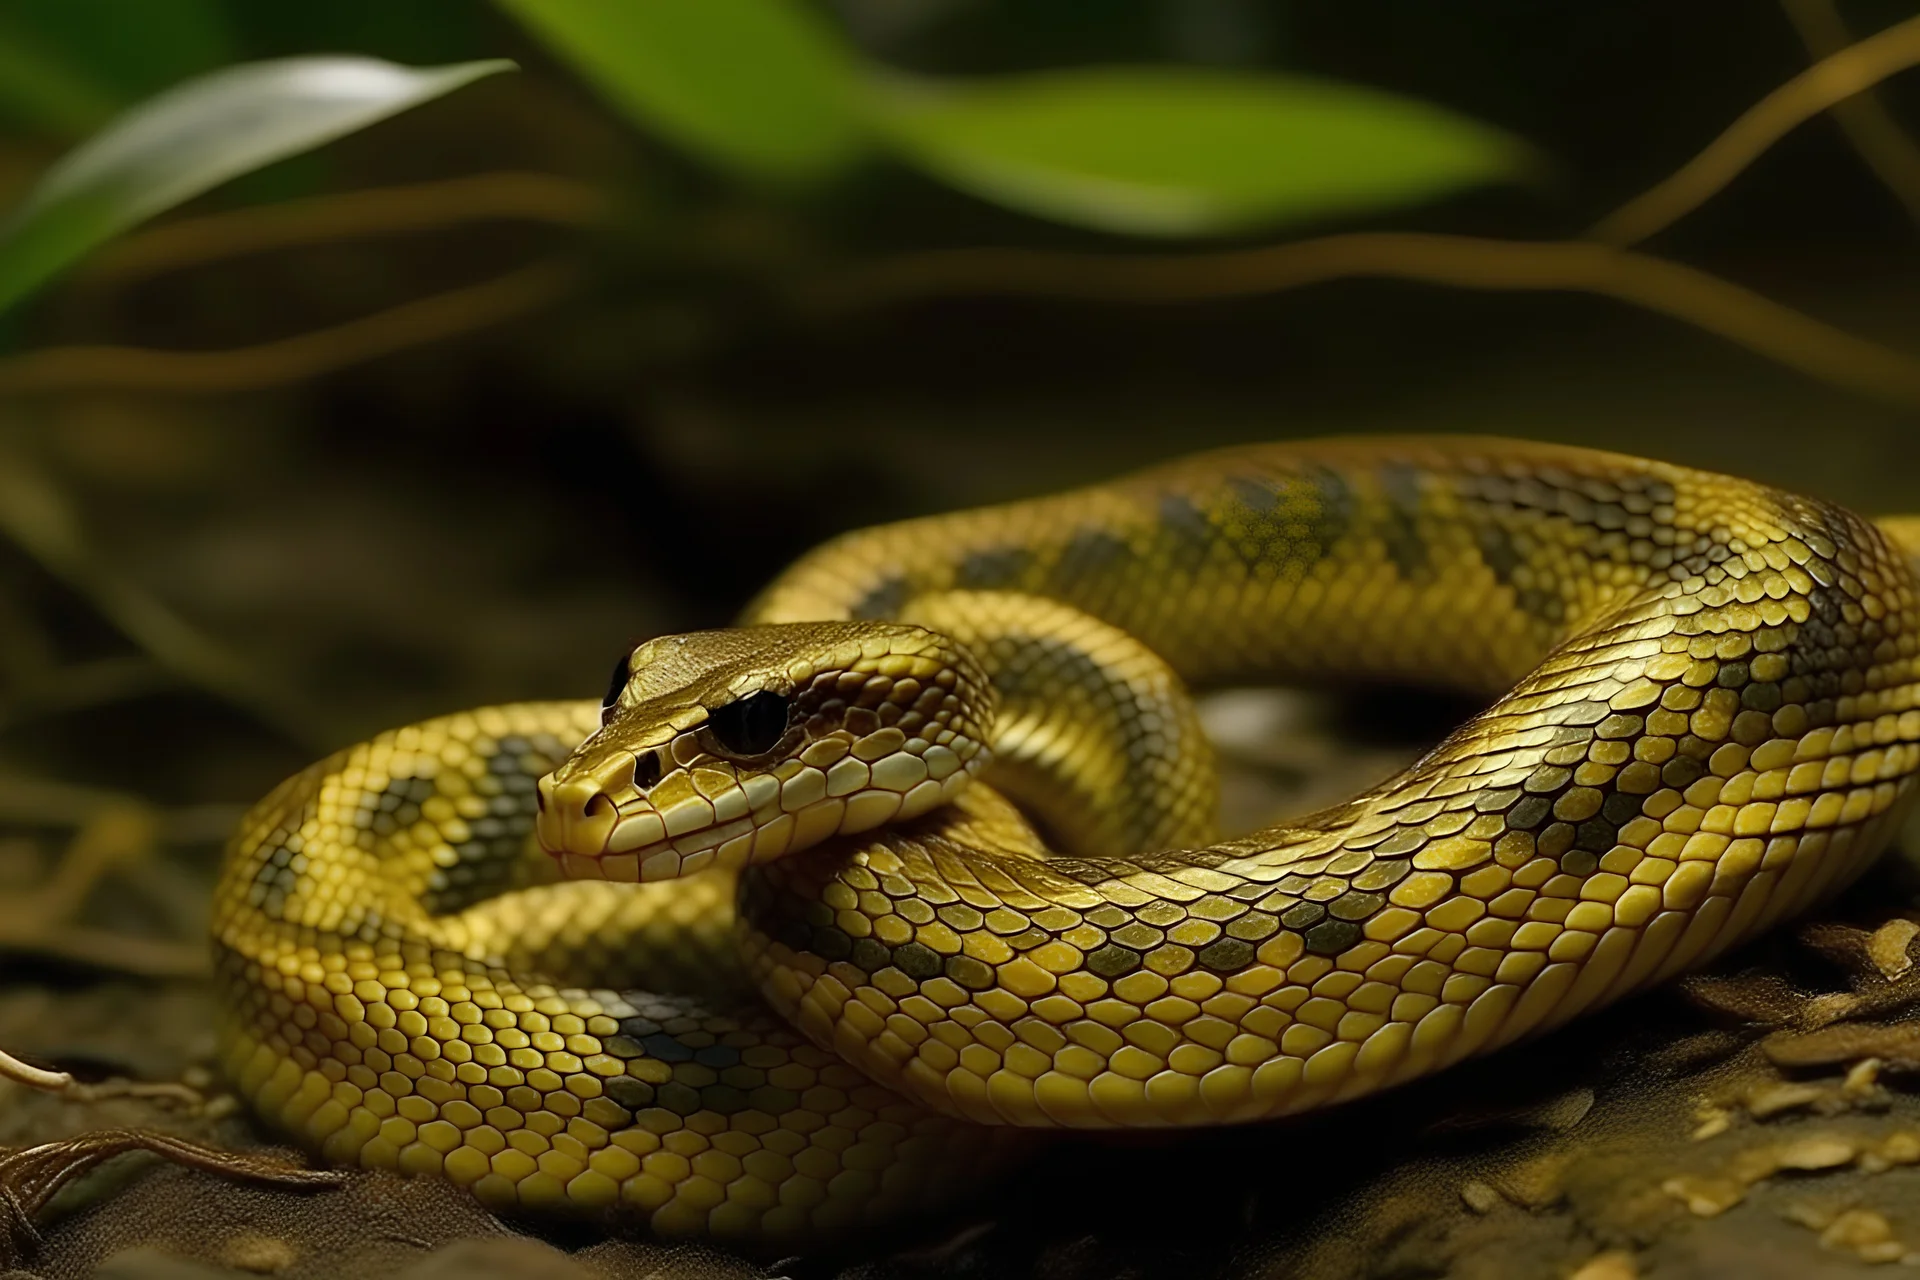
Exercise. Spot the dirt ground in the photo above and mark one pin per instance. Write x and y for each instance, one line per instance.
(1755, 1122)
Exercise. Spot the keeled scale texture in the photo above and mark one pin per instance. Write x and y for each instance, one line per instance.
(1714, 723)
(1719, 726)
(383, 1016)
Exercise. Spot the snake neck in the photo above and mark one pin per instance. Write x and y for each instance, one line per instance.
(1093, 733)
(1287, 562)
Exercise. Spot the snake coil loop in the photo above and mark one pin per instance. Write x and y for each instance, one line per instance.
(1703, 719)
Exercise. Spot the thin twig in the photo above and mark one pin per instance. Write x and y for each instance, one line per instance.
(114, 837)
(35, 513)
(1668, 288)
(72, 1090)
(79, 685)
(110, 951)
(48, 802)
(1864, 118)
(1831, 80)
(411, 324)
(30, 1177)
(418, 206)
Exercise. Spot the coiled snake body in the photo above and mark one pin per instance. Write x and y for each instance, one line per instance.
(1706, 720)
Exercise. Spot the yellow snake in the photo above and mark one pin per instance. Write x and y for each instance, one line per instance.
(1705, 720)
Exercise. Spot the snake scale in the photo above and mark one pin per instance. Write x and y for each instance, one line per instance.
(1703, 719)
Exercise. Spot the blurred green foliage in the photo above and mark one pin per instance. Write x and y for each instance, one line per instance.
(196, 136)
(1185, 151)
(762, 89)
(760, 86)
(757, 86)
(66, 66)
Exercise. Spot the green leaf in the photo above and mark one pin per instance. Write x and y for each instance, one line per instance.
(1184, 152)
(197, 135)
(757, 86)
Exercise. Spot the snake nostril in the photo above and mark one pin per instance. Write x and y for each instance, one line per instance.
(598, 807)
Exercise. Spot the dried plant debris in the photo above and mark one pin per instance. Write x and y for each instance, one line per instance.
(116, 837)
(31, 1177)
(1876, 963)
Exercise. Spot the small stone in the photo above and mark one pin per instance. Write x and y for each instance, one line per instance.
(1538, 1182)
(1887, 948)
(1771, 1099)
(1614, 1264)
(1713, 1121)
(1819, 1151)
(265, 1255)
(1705, 1197)
(1865, 1234)
(1480, 1197)
(1863, 1079)
(1900, 1147)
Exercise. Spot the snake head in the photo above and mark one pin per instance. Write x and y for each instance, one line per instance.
(722, 748)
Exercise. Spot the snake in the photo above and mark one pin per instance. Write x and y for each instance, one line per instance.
(822, 919)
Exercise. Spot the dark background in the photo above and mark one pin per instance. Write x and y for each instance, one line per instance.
(493, 516)
(496, 515)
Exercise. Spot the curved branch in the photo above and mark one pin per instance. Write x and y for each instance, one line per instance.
(1864, 118)
(37, 516)
(1831, 80)
(1655, 284)
(411, 324)
(418, 206)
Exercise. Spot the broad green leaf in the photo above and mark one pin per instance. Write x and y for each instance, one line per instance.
(758, 86)
(1185, 151)
(197, 135)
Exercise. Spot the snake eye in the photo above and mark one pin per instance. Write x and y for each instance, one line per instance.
(750, 726)
(646, 770)
(615, 686)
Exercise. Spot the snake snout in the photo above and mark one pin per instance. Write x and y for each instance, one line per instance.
(576, 816)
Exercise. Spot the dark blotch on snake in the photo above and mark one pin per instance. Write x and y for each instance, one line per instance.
(1331, 937)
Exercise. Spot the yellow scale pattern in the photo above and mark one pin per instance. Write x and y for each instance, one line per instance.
(1709, 720)
(382, 1008)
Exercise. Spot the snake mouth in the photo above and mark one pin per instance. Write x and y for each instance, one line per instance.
(637, 849)
(764, 816)
(633, 838)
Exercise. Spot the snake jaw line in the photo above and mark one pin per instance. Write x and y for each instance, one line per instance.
(874, 725)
